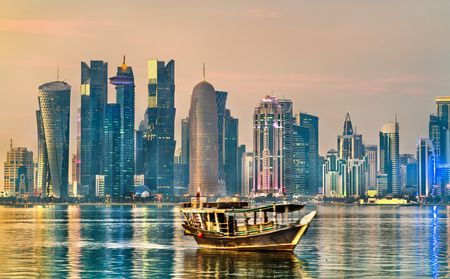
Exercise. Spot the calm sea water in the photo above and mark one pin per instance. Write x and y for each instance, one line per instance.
(147, 241)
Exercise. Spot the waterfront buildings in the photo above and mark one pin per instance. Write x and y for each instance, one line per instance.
(221, 101)
(53, 121)
(247, 174)
(18, 172)
(356, 177)
(371, 157)
(94, 96)
(125, 98)
(231, 143)
(389, 156)
(300, 160)
(311, 122)
(268, 147)
(287, 122)
(112, 152)
(425, 167)
(334, 171)
(240, 153)
(203, 143)
(349, 143)
(158, 138)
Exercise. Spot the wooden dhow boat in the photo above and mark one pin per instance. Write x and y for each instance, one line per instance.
(234, 225)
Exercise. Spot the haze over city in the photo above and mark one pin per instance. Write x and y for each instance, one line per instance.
(370, 59)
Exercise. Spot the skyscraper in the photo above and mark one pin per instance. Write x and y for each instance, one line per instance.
(247, 174)
(349, 143)
(124, 83)
(287, 123)
(231, 154)
(53, 131)
(315, 170)
(426, 167)
(203, 147)
(159, 138)
(300, 162)
(94, 96)
(185, 142)
(18, 174)
(371, 157)
(240, 153)
(356, 177)
(389, 156)
(334, 175)
(221, 101)
(112, 152)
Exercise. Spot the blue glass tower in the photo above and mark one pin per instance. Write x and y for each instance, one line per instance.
(221, 101)
(231, 154)
(53, 125)
(124, 83)
(159, 138)
(111, 151)
(94, 96)
(300, 160)
(311, 122)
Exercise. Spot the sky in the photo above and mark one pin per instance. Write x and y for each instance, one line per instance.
(373, 59)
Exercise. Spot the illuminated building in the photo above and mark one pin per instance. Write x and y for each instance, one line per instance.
(18, 172)
(389, 156)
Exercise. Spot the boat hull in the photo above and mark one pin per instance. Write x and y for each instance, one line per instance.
(285, 239)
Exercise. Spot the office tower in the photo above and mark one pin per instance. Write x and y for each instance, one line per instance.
(185, 151)
(53, 119)
(436, 133)
(247, 174)
(203, 147)
(371, 157)
(124, 83)
(382, 183)
(94, 96)
(426, 167)
(112, 152)
(405, 160)
(74, 168)
(231, 154)
(443, 114)
(334, 175)
(287, 123)
(221, 101)
(300, 160)
(78, 154)
(315, 170)
(321, 161)
(349, 143)
(356, 177)
(18, 172)
(99, 185)
(178, 174)
(139, 151)
(268, 147)
(241, 151)
(389, 156)
(159, 138)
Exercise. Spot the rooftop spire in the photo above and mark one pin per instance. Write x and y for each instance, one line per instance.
(348, 127)
(124, 66)
(204, 72)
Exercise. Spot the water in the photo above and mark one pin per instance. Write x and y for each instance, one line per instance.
(147, 241)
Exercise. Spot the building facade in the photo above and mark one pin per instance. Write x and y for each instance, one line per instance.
(426, 168)
(18, 173)
(389, 156)
(300, 161)
(349, 143)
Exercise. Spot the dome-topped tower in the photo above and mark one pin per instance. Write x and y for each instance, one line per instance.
(203, 159)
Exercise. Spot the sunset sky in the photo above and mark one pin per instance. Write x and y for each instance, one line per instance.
(370, 58)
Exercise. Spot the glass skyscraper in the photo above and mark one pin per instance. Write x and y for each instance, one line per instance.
(159, 141)
(94, 96)
(53, 119)
(112, 152)
(231, 154)
(389, 156)
(426, 167)
(125, 97)
(300, 160)
(349, 143)
(221, 101)
(287, 122)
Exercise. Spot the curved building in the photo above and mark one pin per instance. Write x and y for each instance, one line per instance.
(389, 157)
(203, 151)
(53, 129)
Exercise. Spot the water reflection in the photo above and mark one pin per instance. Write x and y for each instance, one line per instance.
(148, 241)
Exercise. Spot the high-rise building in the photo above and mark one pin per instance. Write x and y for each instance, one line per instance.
(185, 151)
(356, 177)
(53, 119)
(389, 156)
(94, 96)
(112, 152)
(18, 174)
(159, 138)
(231, 154)
(287, 123)
(139, 151)
(125, 98)
(240, 153)
(247, 174)
(371, 157)
(334, 175)
(78, 154)
(178, 174)
(349, 143)
(437, 133)
(221, 101)
(315, 170)
(300, 160)
(405, 160)
(203, 147)
(426, 167)
(268, 147)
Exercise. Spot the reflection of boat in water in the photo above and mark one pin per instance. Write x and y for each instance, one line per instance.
(234, 225)
(223, 263)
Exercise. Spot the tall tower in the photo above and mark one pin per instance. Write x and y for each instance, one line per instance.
(371, 157)
(53, 131)
(203, 147)
(221, 101)
(268, 147)
(426, 167)
(311, 122)
(18, 179)
(231, 138)
(300, 160)
(349, 143)
(159, 138)
(94, 96)
(288, 122)
(112, 151)
(389, 156)
(124, 83)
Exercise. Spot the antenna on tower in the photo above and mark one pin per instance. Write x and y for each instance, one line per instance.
(204, 71)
